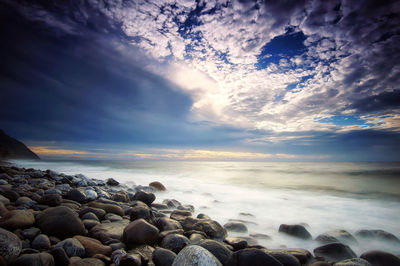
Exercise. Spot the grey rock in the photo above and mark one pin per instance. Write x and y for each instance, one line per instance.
(195, 255)
(295, 230)
(236, 227)
(31, 233)
(163, 257)
(112, 182)
(283, 257)
(140, 232)
(353, 262)
(91, 194)
(146, 197)
(17, 219)
(174, 242)
(38, 259)
(334, 252)
(252, 256)
(10, 245)
(77, 195)
(380, 258)
(218, 249)
(90, 216)
(41, 242)
(166, 224)
(107, 231)
(72, 247)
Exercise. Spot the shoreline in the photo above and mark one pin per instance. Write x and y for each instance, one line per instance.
(134, 228)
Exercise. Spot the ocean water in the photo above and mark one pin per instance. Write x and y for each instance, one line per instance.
(322, 196)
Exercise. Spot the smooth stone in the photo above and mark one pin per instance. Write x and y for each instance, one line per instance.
(119, 245)
(3, 210)
(107, 231)
(51, 200)
(252, 256)
(112, 182)
(186, 208)
(9, 194)
(72, 247)
(158, 185)
(3, 182)
(236, 242)
(378, 235)
(77, 195)
(4, 200)
(163, 257)
(51, 191)
(112, 217)
(60, 257)
(172, 203)
(283, 257)
(138, 212)
(334, 252)
(146, 197)
(107, 207)
(340, 236)
(295, 230)
(97, 211)
(61, 222)
(17, 219)
(38, 259)
(41, 242)
(166, 224)
(195, 255)
(174, 242)
(89, 224)
(303, 255)
(91, 194)
(93, 246)
(89, 216)
(353, 262)
(180, 215)
(218, 249)
(120, 196)
(10, 245)
(25, 201)
(236, 227)
(88, 262)
(380, 258)
(140, 232)
(31, 233)
(210, 227)
(203, 216)
(159, 206)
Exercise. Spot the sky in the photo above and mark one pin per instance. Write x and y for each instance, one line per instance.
(202, 80)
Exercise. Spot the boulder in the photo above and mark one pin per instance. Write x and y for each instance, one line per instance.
(380, 235)
(41, 242)
(138, 212)
(88, 262)
(107, 207)
(4, 200)
(337, 236)
(163, 257)
(140, 232)
(218, 249)
(17, 219)
(9, 194)
(10, 245)
(211, 228)
(236, 227)
(77, 195)
(99, 212)
(25, 202)
(89, 224)
(174, 242)
(90, 216)
(42, 259)
(334, 252)
(157, 185)
(51, 200)
(252, 256)
(108, 231)
(172, 203)
(295, 230)
(353, 262)
(380, 258)
(112, 182)
(236, 242)
(180, 215)
(195, 255)
(93, 246)
(72, 247)
(112, 217)
(146, 197)
(166, 224)
(61, 222)
(283, 257)
(60, 257)
(303, 255)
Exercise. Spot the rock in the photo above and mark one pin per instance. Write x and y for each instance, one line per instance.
(51, 200)
(89, 224)
(119, 245)
(40, 259)
(31, 233)
(10, 245)
(4, 200)
(378, 235)
(334, 252)
(321, 263)
(195, 255)
(91, 194)
(236, 242)
(17, 219)
(326, 239)
(97, 211)
(147, 198)
(121, 196)
(93, 246)
(338, 235)
(41, 242)
(218, 249)
(9, 194)
(166, 224)
(186, 208)
(252, 256)
(159, 206)
(60, 257)
(236, 227)
(180, 215)
(112, 182)
(303, 255)
(107, 231)
(77, 195)
(283, 257)
(107, 207)
(172, 203)
(353, 262)
(157, 185)
(90, 216)
(295, 230)
(138, 212)
(163, 257)
(140, 232)
(88, 262)
(112, 217)
(53, 191)
(72, 247)
(174, 242)
(25, 202)
(61, 222)
(211, 228)
(380, 258)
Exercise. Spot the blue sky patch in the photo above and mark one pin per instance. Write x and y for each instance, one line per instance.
(343, 120)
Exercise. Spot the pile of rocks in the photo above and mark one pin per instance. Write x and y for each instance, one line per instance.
(49, 218)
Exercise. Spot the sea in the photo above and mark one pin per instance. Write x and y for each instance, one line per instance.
(322, 196)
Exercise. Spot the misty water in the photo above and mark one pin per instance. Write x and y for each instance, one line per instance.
(323, 196)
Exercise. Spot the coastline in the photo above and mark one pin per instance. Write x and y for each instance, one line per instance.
(128, 225)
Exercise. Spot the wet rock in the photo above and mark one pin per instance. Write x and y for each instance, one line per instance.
(93, 246)
(10, 245)
(77, 195)
(303, 255)
(334, 252)
(41, 242)
(189, 208)
(112, 182)
(72, 247)
(4, 200)
(353, 262)
(172, 203)
(42, 259)
(378, 235)
(166, 224)
(107, 207)
(163, 257)
(118, 245)
(283, 257)
(139, 212)
(53, 191)
(236, 227)
(218, 249)
(89, 224)
(60, 257)
(51, 200)
(61, 222)
(338, 235)
(90, 216)
(252, 256)
(380, 258)
(236, 242)
(146, 197)
(140, 232)
(295, 230)
(120, 196)
(195, 255)
(180, 215)
(97, 211)
(91, 194)
(326, 239)
(211, 228)
(108, 231)
(159, 206)
(17, 219)
(31, 233)
(174, 242)
(203, 216)
(157, 185)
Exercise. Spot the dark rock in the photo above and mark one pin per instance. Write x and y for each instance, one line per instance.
(10, 245)
(107, 207)
(40, 259)
(180, 215)
(163, 257)
(93, 246)
(112, 217)
(303, 255)
(378, 235)
(159, 206)
(77, 195)
(140, 232)
(321, 263)
(236, 242)
(380, 258)
(218, 249)
(338, 235)
(3, 210)
(121, 196)
(98, 211)
(31, 233)
(11, 195)
(334, 252)
(119, 245)
(174, 242)
(147, 198)
(172, 203)
(112, 182)
(25, 202)
(353, 262)
(88, 262)
(41, 242)
(107, 231)
(195, 255)
(11, 148)
(326, 239)
(72, 247)
(203, 216)
(166, 224)
(51, 200)
(169, 232)
(252, 256)
(145, 252)
(17, 219)
(139, 212)
(90, 216)
(236, 227)
(283, 257)
(157, 185)
(186, 208)
(295, 230)
(4, 200)
(89, 224)
(196, 238)
(61, 222)
(60, 257)
(212, 228)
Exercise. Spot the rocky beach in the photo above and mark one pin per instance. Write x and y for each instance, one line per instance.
(50, 218)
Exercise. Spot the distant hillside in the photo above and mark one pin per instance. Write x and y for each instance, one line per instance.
(11, 148)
